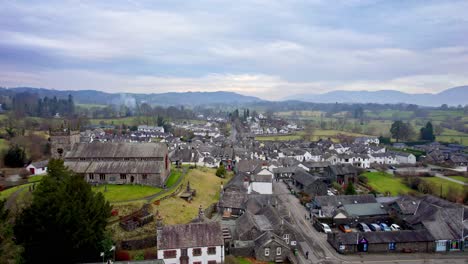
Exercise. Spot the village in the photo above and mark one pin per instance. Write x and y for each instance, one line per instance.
(221, 196)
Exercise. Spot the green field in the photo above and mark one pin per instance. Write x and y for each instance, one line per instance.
(35, 178)
(117, 193)
(6, 193)
(384, 182)
(444, 185)
(460, 178)
(175, 175)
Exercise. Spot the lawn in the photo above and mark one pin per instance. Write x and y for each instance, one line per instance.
(175, 175)
(6, 193)
(444, 185)
(35, 178)
(175, 210)
(117, 193)
(384, 182)
(460, 178)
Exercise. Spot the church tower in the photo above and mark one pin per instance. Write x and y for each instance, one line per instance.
(62, 141)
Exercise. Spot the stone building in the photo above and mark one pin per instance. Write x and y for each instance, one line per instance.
(120, 163)
(62, 141)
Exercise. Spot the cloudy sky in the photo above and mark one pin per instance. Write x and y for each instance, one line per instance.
(267, 48)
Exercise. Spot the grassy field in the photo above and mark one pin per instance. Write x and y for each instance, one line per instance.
(445, 185)
(175, 175)
(175, 210)
(460, 178)
(318, 134)
(35, 178)
(384, 183)
(6, 193)
(116, 193)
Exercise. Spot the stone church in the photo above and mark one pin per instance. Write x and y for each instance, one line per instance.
(113, 163)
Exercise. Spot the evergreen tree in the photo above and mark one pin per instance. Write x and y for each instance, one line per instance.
(65, 222)
(427, 132)
(221, 171)
(15, 157)
(350, 189)
(9, 251)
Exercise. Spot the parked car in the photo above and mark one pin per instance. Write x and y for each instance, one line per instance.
(384, 227)
(392, 167)
(395, 227)
(325, 228)
(345, 228)
(330, 193)
(363, 227)
(374, 227)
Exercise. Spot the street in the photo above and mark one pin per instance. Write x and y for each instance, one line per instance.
(322, 252)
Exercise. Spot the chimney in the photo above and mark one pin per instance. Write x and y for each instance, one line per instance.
(159, 221)
(201, 213)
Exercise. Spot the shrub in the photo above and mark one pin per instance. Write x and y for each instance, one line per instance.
(221, 171)
(139, 256)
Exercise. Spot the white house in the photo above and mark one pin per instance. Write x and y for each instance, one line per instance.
(38, 168)
(405, 158)
(145, 128)
(195, 243)
(383, 158)
(367, 140)
(261, 183)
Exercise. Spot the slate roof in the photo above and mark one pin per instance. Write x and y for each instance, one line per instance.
(365, 209)
(303, 177)
(117, 150)
(40, 164)
(403, 236)
(233, 199)
(268, 237)
(190, 235)
(342, 169)
(117, 167)
(337, 200)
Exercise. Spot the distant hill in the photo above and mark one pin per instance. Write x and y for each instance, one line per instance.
(453, 96)
(163, 99)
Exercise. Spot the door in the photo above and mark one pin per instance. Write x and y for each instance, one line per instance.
(132, 179)
(32, 170)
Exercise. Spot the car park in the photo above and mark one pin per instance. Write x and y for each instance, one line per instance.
(363, 227)
(384, 227)
(395, 227)
(345, 228)
(374, 227)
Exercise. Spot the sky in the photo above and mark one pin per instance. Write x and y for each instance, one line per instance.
(266, 48)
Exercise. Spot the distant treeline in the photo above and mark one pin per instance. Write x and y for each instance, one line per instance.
(28, 104)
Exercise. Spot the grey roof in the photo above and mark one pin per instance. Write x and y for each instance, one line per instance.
(343, 169)
(190, 235)
(268, 237)
(233, 199)
(337, 200)
(117, 167)
(262, 222)
(365, 209)
(303, 177)
(404, 236)
(117, 150)
(40, 164)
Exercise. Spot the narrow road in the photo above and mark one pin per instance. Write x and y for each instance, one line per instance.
(322, 252)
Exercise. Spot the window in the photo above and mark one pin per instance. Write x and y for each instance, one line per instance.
(278, 251)
(168, 254)
(211, 251)
(212, 262)
(286, 238)
(196, 252)
(144, 176)
(91, 176)
(267, 252)
(123, 176)
(102, 177)
(197, 262)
